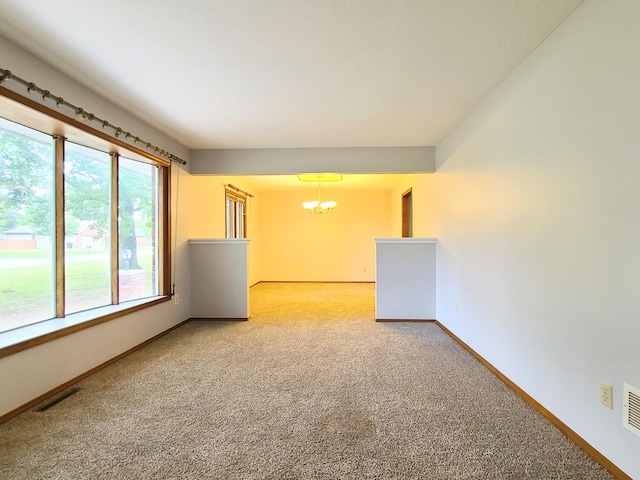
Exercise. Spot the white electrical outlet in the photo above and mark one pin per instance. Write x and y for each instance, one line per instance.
(606, 395)
(176, 299)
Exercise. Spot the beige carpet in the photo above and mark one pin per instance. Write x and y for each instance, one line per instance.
(310, 387)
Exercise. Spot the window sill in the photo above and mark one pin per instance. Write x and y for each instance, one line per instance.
(22, 338)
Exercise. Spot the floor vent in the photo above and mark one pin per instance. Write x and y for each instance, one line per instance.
(51, 401)
(631, 409)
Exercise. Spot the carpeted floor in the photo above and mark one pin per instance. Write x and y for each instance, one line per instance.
(311, 387)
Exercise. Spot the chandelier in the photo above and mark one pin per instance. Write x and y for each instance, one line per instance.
(319, 205)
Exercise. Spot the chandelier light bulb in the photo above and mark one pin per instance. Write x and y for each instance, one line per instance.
(319, 206)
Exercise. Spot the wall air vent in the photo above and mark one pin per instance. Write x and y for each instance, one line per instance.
(631, 409)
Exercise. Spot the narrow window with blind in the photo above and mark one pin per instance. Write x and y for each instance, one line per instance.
(236, 215)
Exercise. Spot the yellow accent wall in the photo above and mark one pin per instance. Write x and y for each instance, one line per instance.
(299, 246)
(290, 244)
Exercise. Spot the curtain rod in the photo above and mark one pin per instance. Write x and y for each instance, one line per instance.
(87, 116)
(233, 187)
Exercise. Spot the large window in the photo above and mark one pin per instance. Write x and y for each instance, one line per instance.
(137, 229)
(81, 226)
(27, 228)
(87, 187)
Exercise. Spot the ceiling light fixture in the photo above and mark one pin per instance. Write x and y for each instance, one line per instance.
(319, 205)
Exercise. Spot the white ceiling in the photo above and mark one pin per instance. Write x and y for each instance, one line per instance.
(287, 73)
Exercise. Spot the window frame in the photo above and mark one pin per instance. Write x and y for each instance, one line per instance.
(29, 113)
(237, 199)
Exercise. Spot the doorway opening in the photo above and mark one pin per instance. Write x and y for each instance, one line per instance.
(407, 214)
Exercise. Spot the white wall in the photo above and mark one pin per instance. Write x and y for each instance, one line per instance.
(35, 371)
(28, 67)
(405, 279)
(538, 224)
(219, 283)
